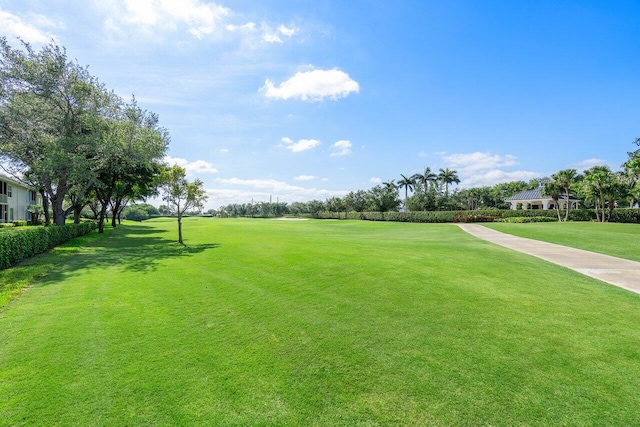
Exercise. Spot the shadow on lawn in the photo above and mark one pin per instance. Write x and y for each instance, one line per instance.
(138, 249)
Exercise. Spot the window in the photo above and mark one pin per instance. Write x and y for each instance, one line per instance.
(10, 212)
(9, 189)
(32, 196)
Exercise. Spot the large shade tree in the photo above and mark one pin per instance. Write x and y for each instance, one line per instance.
(52, 118)
(129, 161)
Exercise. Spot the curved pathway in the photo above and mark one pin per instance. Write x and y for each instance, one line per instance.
(616, 271)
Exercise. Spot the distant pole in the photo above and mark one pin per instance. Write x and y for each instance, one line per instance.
(269, 198)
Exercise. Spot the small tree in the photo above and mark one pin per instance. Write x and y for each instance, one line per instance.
(180, 194)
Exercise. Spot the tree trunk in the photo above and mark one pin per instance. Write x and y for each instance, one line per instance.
(612, 205)
(103, 213)
(180, 229)
(597, 211)
(566, 216)
(59, 214)
(45, 206)
(115, 208)
(77, 210)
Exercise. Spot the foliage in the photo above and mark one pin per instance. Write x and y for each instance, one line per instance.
(474, 218)
(526, 219)
(180, 194)
(626, 216)
(16, 245)
(135, 213)
(52, 114)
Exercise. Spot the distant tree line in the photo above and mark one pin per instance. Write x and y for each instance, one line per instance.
(598, 188)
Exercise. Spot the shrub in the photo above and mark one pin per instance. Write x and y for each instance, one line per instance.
(20, 223)
(16, 245)
(481, 215)
(626, 215)
(7, 225)
(525, 219)
(474, 218)
(136, 214)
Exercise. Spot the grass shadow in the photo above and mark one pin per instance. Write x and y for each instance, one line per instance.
(136, 249)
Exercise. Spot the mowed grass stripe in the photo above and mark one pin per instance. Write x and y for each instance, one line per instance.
(316, 323)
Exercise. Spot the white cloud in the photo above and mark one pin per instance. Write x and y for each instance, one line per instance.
(375, 180)
(422, 154)
(341, 148)
(198, 166)
(479, 169)
(586, 164)
(249, 26)
(224, 150)
(495, 176)
(287, 31)
(313, 86)
(301, 145)
(271, 36)
(199, 18)
(29, 29)
(471, 162)
(304, 178)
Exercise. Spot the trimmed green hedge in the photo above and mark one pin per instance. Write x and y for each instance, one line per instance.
(16, 245)
(479, 215)
(626, 215)
(526, 219)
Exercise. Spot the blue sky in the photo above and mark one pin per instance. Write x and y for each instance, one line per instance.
(304, 100)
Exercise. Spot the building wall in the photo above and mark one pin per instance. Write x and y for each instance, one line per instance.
(15, 199)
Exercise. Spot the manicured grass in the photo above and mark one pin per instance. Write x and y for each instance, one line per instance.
(15, 280)
(621, 240)
(259, 322)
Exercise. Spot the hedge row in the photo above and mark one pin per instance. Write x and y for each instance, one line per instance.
(620, 215)
(16, 245)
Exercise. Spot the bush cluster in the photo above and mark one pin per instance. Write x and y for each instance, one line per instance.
(525, 219)
(474, 218)
(626, 215)
(16, 245)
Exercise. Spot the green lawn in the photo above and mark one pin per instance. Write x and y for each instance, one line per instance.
(621, 240)
(263, 322)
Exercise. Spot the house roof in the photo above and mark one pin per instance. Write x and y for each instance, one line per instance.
(13, 181)
(535, 194)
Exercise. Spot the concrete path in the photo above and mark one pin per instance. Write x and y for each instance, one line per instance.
(617, 271)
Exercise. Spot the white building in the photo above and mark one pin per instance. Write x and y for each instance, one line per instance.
(15, 198)
(536, 199)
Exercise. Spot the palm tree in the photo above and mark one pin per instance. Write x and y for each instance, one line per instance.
(447, 176)
(597, 182)
(390, 185)
(408, 184)
(565, 179)
(426, 179)
(553, 189)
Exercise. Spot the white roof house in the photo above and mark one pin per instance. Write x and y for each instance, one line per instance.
(15, 198)
(536, 199)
